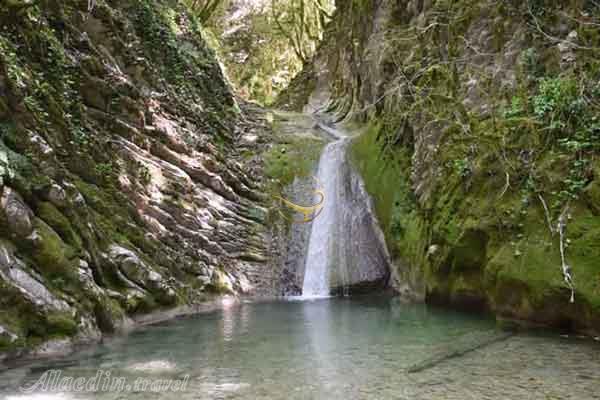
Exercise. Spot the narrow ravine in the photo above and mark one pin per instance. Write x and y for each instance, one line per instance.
(346, 252)
(159, 237)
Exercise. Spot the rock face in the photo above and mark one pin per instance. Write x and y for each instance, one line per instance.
(481, 147)
(291, 164)
(123, 188)
(295, 242)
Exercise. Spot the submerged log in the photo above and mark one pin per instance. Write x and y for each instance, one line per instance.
(459, 348)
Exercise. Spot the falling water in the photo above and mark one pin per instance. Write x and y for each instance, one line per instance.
(322, 244)
(345, 250)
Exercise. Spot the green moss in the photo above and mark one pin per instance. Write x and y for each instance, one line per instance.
(220, 284)
(470, 251)
(488, 244)
(51, 255)
(140, 305)
(15, 312)
(115, 220)
(55, 219)
(108, 314)
(583, 252)
(60, 324)
(293, 157)
(386, 178)
(5, 343)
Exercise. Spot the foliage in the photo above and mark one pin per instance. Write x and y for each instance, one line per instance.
(451, 106)
(302, 22)
(556, 101)
(264, 44)
(462, 167)
(204, 9)
(292, 157)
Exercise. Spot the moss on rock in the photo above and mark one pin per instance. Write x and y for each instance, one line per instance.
(53, 257)
(60, 324)
(59, 222)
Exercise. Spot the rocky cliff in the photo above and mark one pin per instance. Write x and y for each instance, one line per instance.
(129, 180)
(481, 146)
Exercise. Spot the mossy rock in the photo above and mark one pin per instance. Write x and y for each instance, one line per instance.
(16, 313)
(140, 304)
(59, 222)
(387, 180)
(61, 324)
(6, 343)
(221, 283)
(108, 314)
(592, 193)
(470, 251)
(51, 255)
(295, 157)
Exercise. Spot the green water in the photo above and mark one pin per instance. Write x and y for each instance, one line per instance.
(339, 348)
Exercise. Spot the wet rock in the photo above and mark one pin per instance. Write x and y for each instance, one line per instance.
(204, 280)
(15, 213)
(243, 285)
(53, 348)
(567, 50)
(7, 336)
(40, 145)
(94, 93)
(249, 140)
(86, 278)
(345, 237)
(88, 330)
(12, 271)
(139, 272)
(221, 282)
(178, 179)
(432, 250)
(57, 195)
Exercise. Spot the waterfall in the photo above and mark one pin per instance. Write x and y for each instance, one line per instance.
(345, 248)
(322, 248)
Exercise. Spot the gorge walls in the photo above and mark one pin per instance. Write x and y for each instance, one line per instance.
(129, 180)
(480, 148)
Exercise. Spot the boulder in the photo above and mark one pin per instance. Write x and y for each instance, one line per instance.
(7, 337)
(13, 272)
(221, 282)
(57, 195)
(16, 215)
(140, 273)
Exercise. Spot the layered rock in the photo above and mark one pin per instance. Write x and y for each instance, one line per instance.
(123, 185)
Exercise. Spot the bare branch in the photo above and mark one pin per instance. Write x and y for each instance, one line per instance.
(506, 186)
(566, 269)
(554, 38)
(547, 212)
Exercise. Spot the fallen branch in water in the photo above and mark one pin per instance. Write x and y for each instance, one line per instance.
(459, 350)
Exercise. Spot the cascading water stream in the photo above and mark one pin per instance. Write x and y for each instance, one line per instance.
(322, 243)
(345, 249)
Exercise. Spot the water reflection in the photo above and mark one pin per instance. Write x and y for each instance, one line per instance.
(228, 319)
(346, 349)
(318, 332)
